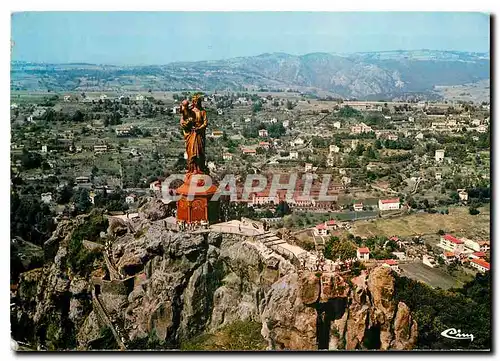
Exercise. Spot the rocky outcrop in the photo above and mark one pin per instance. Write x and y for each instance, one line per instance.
(311, 311)
(174, 286)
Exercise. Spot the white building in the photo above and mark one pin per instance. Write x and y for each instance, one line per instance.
(363, 254)
(360, 128)
(334, 149)
(263, 133)
(463, 195)
(130, 199)
(321, 230)
(139, 97)
(452, 244)
(429, 261)
(337, 125)
(308, 167)
(388, 204)
(286, 123)
(227, 156)
(391, 263)
(438, 176)
(44, 149)
(46, 197)
(297, 142)
(294, 154)
(439, 155)
(358, 207)
(480, 264)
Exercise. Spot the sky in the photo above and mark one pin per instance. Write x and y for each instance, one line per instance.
(140, 38)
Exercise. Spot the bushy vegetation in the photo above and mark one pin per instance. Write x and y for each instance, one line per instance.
(80, 259)
(237, 336)
(435, 310)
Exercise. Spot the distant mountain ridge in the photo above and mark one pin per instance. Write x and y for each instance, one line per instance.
(360, 75)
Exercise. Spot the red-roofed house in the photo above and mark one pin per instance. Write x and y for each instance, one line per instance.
(363, 253)
(480, 264)
(264, 145)
(484, 246)
(321, 230)
(264, 198)
(249, 151)
(391, 263)
(448, 257)
(358, 207)
(452, 244)
(388, 204)
(476, 255)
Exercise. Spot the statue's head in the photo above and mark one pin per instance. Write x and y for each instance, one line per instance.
(196, 100)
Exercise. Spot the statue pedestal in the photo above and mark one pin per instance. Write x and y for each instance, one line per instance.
(194, 204)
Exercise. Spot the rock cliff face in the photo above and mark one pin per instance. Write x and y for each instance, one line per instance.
(175, 286)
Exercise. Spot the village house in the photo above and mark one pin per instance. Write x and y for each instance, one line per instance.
(123, 130)
(263, 133)
(308, 167)
(336, 125)
(294, 155)
(103, 97)
(44, 149)
(358, 207)
(67, 98)
(217, 133)
(321, 230)
(419, 136)
(480, 264)
(346, 180)
(334, 149)
(220, 111)
(46, 197)
(388, 204)
(249, 151)
(448, 257)
(391, 263)
(248, 120)
(264, 198)
(227, 156)
(429, 261)
(477, 255)
(439, 155)
(463, 195)
(363, 254)
(482, 129)
(360, 128)
(438, 176)
(82, 180)
(297, 142)
(102, 148)
(484, 246)
(130, 198)
(476, 122)
(354, 143)
(265, 145)
(286, 123)
(452, 244)
(139, 97)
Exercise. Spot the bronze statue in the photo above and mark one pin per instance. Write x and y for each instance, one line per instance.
(194, 123)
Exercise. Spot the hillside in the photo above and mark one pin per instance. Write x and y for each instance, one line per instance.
(358, 75)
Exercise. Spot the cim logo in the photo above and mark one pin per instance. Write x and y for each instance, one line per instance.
(457, 334)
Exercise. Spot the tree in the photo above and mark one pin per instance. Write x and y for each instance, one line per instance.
(473, 211)
(82, 200)
(335, 248)
(282, 209)
(257, 106)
